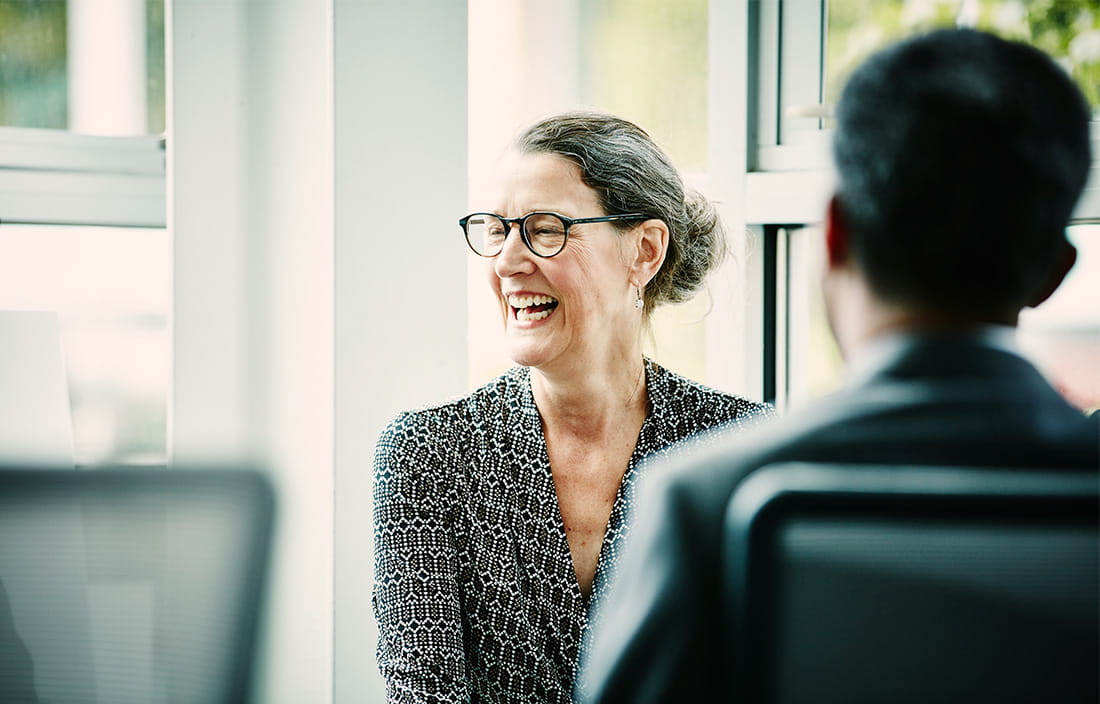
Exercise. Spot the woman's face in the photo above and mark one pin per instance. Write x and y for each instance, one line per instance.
(572, 310)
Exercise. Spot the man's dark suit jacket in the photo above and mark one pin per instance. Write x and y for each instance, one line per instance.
(935, 401)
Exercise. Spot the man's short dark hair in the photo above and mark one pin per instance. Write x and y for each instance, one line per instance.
(960, 159)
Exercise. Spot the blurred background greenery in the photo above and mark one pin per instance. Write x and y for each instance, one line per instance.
(1068, 30)
(639, 57)
(33, 63)
(648, 59)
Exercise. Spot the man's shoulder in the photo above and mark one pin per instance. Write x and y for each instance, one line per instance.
(888, 422)
(705, 472)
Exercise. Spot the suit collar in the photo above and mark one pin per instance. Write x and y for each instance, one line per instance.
(904, 355)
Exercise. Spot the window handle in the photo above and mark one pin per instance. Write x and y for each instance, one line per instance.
(818, 111)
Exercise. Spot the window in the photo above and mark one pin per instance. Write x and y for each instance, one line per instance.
(807, 49)
(82, 208)
(808, 362)
(1062, 335)
(1068, 30)
(803, 51)
(83, 65)
(110, 288)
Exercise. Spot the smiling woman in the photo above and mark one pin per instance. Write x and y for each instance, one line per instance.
(499, 516)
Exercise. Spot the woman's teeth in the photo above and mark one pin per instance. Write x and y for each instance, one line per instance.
(524, 314)
(536, 307)
(528, 301)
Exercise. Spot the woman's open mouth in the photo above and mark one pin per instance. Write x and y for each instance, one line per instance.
(531, 308)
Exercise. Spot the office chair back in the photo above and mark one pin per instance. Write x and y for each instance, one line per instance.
(131, 584)
(914, 584)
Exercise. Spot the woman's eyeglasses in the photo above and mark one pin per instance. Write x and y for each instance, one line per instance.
(545, 234)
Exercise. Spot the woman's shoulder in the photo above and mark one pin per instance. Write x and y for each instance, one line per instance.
(427, 450)
(447, 422)
(709, 406)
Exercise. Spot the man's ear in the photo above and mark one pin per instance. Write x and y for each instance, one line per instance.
(652, 246)
(836, 235)
(1067, 257)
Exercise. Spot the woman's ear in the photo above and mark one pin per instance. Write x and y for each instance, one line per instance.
(652, 246)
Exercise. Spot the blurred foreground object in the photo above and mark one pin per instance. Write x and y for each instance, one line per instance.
(35, 421)
(914, 584)
(131, 584)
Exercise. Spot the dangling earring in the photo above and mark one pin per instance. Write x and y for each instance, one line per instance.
(639, 303)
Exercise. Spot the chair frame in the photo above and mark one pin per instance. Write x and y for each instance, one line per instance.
(771, 495)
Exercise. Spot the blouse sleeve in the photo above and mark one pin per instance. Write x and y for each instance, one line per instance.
(416, 596)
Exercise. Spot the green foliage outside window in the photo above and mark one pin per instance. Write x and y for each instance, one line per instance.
(33, 90)
(646, 60)
(1068, 30)
(34, 58)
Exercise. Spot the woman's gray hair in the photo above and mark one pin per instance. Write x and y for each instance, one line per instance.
(631, 174)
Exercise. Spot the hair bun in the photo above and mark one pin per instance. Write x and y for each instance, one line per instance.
(631, 174)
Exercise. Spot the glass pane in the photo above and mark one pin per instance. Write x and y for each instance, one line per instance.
(814, 365)
(1068, 30)
(1062, 335)
(86, 65)
(32, 64)
(647, 60)
(111, 290)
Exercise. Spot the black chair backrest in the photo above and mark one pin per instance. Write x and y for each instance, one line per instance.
(131, 584)
(868, 583)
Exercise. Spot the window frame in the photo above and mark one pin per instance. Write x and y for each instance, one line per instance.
(787, 174)
(55, 177)
(60, 178)
(790, 174)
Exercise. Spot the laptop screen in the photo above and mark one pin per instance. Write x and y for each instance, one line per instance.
(35, 420)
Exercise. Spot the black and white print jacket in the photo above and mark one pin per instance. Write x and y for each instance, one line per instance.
(475, 593)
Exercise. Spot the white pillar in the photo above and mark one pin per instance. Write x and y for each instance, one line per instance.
(400, 86)
(250, 160)
(317, 168)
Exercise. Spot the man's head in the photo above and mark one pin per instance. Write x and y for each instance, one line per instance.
(960, 158)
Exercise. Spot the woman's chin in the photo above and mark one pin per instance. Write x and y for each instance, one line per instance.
(526, 358)
(527, 354)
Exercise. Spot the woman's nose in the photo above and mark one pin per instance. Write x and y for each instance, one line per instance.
(514, 257)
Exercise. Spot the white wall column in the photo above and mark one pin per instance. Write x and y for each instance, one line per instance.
(401, 127)
(250, 159)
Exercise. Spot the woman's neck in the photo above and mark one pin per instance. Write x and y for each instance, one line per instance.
(588, 401)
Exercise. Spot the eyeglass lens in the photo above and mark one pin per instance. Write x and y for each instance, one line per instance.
(543, 233)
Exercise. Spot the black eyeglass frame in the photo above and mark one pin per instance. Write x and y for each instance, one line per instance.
(568, 222)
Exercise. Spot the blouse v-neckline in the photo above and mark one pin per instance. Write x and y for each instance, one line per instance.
(579, 605)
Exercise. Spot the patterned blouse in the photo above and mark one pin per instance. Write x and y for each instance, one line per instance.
(475, 594)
